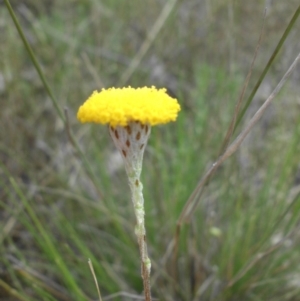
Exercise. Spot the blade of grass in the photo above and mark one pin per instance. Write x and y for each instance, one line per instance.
(34, 61)
(12, 292)
(192, 202)
(95, 278)
(195, 194)
(160, 21)
(269, 64)
(258, 257)
(43, 284)
(239, 102)
(54, 253)
(34, 277)
(53, 98)
(194, 197)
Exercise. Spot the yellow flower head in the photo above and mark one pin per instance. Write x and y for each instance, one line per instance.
(120, 106)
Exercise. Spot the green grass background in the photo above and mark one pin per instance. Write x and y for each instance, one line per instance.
(60, 206)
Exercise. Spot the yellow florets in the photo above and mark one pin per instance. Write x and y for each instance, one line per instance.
(124, 105)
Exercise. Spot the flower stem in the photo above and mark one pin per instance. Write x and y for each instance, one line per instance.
(140, 231)
(131, 141)
(145, 270)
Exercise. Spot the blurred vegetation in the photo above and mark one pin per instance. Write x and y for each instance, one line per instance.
(55, 213)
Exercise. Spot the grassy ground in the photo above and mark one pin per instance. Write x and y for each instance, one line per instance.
(60, 207)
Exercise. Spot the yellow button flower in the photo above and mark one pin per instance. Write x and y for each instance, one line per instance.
(121, 106)
(130, 113)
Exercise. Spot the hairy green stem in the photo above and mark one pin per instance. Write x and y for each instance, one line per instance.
(140, 231)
